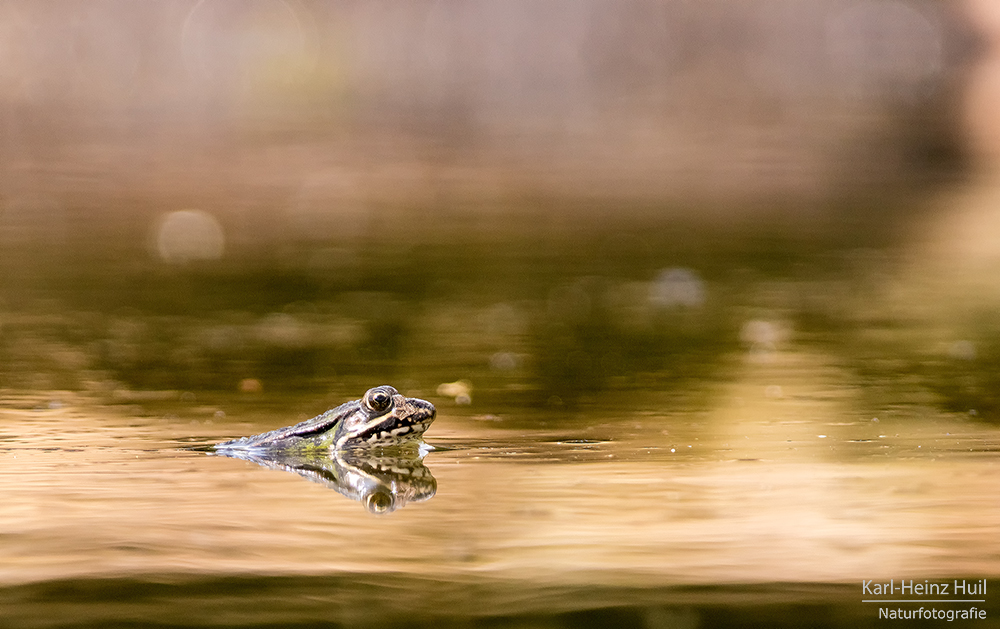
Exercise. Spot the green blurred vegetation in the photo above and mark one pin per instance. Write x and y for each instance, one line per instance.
(533, 306)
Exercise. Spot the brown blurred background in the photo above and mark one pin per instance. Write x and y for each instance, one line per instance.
(292, 117)
(338, 187)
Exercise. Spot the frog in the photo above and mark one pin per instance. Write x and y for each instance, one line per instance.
(382, 418)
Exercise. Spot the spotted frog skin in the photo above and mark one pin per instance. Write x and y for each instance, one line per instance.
(382, 418)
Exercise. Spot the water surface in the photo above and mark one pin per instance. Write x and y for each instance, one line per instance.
(661, 508)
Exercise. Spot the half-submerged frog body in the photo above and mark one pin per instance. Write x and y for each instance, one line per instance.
(381, 419)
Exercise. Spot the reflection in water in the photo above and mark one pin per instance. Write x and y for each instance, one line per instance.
(381, 481)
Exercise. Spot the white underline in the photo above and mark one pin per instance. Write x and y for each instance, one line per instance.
(927, 600)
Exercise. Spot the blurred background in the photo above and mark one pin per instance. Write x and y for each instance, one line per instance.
(545, 199)
(705, 293)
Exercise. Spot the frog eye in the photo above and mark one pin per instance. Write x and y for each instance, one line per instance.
(379, 502)
(378, 400)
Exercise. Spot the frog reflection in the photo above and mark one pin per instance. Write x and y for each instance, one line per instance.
(381, 480)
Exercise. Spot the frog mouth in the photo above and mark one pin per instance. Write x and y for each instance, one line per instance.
(423, 412)
(419, 415)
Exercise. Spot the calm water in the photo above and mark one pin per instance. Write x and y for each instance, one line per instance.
(627, 433)
(667, 518)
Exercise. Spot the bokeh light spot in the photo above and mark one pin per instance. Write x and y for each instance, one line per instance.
(251, 385)
(677, 287)
(460, 390)
(189, 235)
(962, 350)
(762, 335)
